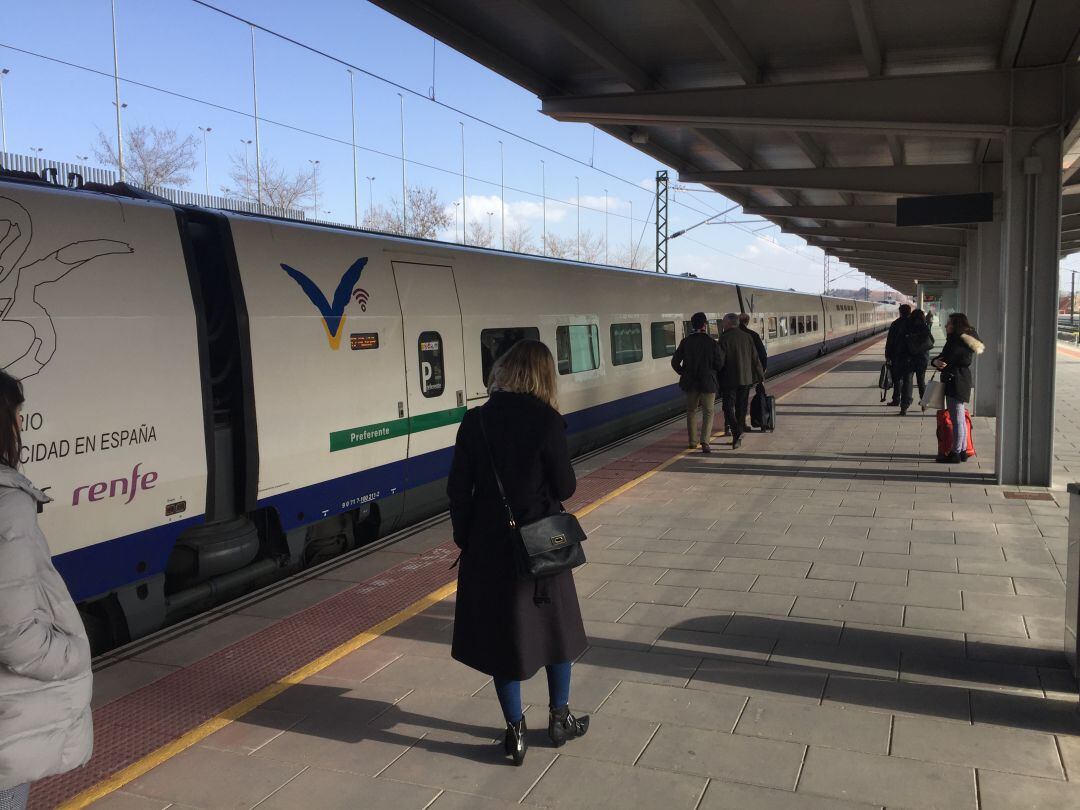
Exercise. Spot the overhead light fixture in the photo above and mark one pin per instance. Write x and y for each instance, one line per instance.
(639, 136)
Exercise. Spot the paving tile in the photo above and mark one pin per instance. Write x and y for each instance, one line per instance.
(718, 580)
(599, 554)
(1047, 606)
(644, 667)
(668, 704)
(999, 624)
(1039, 587)
(1025, 712)
(694, 562)
(651, 594)
(812, 607)
(734, 796)
(448, 800)
(888, 781)
(724, 756)
(368, 566)
(790, 539)
(225, 780)
(973, 674)
(612, 634)
(1009, 569)
(753, 602)
(958, 551)
(1029, 652)
(775, 682)
(365, 662)
(819, 631)
(123, 678)
(913, 562)
(611, 737)
(1006, 791)
(855, 659)
(686, 618)
(796, 586)
(841, 556)
(714, 645)
(418, 672)
(603, 610)
(924, 595)
(751, 552)
(617, 573)
(651, 544)
(781, 568)
(129, 801)
(252, 731)
(605, 784)
(858, 573)
(332, 790)
(293, 600)
(831, 726)
(965, 582)
(899, 546)
(898, 697)
(1001, 749)
(1069, 746)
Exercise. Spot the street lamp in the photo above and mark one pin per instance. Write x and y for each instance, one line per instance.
(605, 228)
(38, 149)
(371, 196)
(82, 158)
(463, 197)
(543, 192)
(206, 167)
(491, 228)
(315, 175)
(457, 205)
(502, 195)
(3, 122)
(578, 180)
(355, 177)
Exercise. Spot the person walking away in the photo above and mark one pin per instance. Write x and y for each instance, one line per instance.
(506, 626)
(917, 345)
(741, 371)
(895, 353)
(962, 344)
(45, 680)
(759, 347)
(698, 362)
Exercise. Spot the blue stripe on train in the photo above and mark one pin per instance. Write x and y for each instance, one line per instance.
(106, 566)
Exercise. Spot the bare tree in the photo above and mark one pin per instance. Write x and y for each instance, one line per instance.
(152, 156)
(426, 215)
(519, 239)
(561, 247)
(479, 234)
(279, 189)
(592, 247)
(636, 257)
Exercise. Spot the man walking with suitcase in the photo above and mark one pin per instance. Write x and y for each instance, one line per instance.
(742, 370)
(698, 362)
(896, 352)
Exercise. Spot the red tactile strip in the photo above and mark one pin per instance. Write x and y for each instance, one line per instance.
(137, 724)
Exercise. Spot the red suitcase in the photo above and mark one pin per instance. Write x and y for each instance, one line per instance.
(945, 434)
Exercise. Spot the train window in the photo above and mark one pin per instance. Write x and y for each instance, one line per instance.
(494, 343)
(686, 328)
(663, 339)
(578, 348)
(432, 379)
(625, 343)
(714, 328)
(772, 327)
(800, 324)
(815, 323)
(783, 326)
(793, 328)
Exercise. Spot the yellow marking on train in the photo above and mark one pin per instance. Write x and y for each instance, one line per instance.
(249, 704)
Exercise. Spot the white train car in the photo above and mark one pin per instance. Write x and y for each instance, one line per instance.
(218, 399)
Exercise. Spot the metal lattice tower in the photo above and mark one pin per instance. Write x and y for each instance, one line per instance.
(827, 280)
(661, 220)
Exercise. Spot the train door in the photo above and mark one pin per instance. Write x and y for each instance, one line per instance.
(435, 379)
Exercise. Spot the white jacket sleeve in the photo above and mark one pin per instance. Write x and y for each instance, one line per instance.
(30, 643)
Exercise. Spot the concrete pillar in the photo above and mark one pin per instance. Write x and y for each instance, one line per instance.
(989, 317)
(1031, 211)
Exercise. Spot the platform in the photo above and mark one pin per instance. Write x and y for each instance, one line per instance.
(823, 619)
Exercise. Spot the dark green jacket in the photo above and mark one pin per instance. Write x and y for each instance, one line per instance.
(742, 366)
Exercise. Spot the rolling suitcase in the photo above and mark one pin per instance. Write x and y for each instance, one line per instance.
(763, 410)
(945, 434)
(885, 381)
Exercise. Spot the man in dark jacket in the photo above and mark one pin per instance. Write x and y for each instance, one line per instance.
(742, 370)
(759, 344)
(896, 352)
(698, 362)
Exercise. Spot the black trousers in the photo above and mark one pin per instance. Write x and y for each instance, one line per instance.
(899, 372)
(913, 371)
(736, 401)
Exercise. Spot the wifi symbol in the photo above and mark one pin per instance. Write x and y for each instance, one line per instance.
(361, 297)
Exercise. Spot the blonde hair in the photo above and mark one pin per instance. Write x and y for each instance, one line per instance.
(527, 368)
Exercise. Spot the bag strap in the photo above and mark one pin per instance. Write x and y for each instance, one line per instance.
(498, 480)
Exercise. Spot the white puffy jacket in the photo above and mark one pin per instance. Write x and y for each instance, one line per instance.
(45, 680)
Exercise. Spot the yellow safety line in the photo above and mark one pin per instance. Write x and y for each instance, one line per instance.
(252, 702)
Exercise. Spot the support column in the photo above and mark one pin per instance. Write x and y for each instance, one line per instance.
(989, 317)
(967, 300)
(1028, 281)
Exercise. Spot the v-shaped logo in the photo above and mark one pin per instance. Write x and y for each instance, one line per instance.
(333, 314)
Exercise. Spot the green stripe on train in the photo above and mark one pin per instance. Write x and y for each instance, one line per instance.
(394, 429)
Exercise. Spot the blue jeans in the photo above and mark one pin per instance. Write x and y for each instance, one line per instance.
(958, 414)
(509, 692)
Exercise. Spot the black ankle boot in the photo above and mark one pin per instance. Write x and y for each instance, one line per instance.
(563, 726)
(515, 744)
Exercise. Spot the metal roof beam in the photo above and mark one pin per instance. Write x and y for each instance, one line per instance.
(1014, 32)
(903, 259)
(959, 178)
(883, 214)
(896, 148)
(717, 28)
(942, 237)
(977, 104)
(899, 248)
(914, 268)
(868, 38)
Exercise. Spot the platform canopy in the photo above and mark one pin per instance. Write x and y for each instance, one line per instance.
(816, 115)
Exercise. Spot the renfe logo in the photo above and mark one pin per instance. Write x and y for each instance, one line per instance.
(333, 314)
(117, 487)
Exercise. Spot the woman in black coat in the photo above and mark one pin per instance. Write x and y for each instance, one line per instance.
(917, 343)
(506, 626)
(961, 345)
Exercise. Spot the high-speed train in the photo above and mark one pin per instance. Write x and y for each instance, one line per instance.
(215, 400)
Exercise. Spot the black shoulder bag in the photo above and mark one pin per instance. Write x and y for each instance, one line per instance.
(548, 545)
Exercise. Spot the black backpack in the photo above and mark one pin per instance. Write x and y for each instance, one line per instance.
(919, 342)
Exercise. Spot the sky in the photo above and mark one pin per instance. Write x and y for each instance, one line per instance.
(185, 66)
